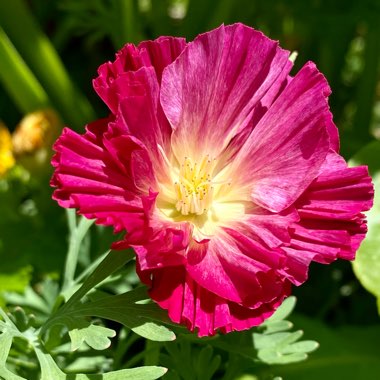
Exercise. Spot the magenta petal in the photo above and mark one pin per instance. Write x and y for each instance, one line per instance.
(133, 160)
(209, 92)
(238, 267)
(136, 97)
(156, 54)
(271, 229)
(199, 309)
(142, 116)
(259, 111)
(161, 52)
(165, 249)
(332, 224)
(99, 177)
(286, 149)
(220, 237)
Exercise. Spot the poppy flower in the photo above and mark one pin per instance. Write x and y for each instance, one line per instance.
(222, 169)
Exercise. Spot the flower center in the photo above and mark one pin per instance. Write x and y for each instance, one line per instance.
(194, 187)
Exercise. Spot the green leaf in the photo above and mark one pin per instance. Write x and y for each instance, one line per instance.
(277, 326)
(206, 363)
(5, 346)
(121, 308)
(275, 345)
(283, 311)
(270, 356)
(349, 352)
(95, 336)
(50, 371)
(304, 346)
(367, 263)
(29, 298)
(282, 347)
(113, 261)
(124, 309)
(140, 373)
(278, 340)
(189, 362)
(17, 78)
(49, 368)
(152, 331)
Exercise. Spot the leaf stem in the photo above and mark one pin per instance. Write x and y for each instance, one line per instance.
(113, 261)
(76, 237)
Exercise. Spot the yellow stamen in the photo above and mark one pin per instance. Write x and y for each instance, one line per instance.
(195, 187)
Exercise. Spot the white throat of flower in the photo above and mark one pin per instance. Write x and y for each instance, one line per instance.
(194, 187)
(197, 192)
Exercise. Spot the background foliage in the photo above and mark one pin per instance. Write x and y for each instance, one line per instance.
(49, 53)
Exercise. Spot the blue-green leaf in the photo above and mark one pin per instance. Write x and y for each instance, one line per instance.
(367, 263)
(95, 336)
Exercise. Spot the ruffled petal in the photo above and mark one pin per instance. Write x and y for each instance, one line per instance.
(102, 177)
(210, 91)
(268, 228)
(235, 268)
(141, 115)
(190, 304)
(165, 248)
(285, 151)
(278, 194)
(135, 95)
(331, 222)
(112, 75)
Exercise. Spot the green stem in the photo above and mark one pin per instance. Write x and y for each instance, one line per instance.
(90, 268)
(71, 219)
(18, 80)
(37, 50)
(112, 262)
(76, 238)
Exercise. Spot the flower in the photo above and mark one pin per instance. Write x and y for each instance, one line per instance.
(33, 138)
(7, 160)
(222, 168)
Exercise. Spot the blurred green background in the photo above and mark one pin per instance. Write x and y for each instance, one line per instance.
(49, 54)
(340, 36)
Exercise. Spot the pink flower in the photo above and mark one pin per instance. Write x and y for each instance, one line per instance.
(222, 168)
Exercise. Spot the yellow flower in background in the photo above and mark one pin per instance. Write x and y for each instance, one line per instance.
(7, 160)
(36, 130)
(33, 138)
